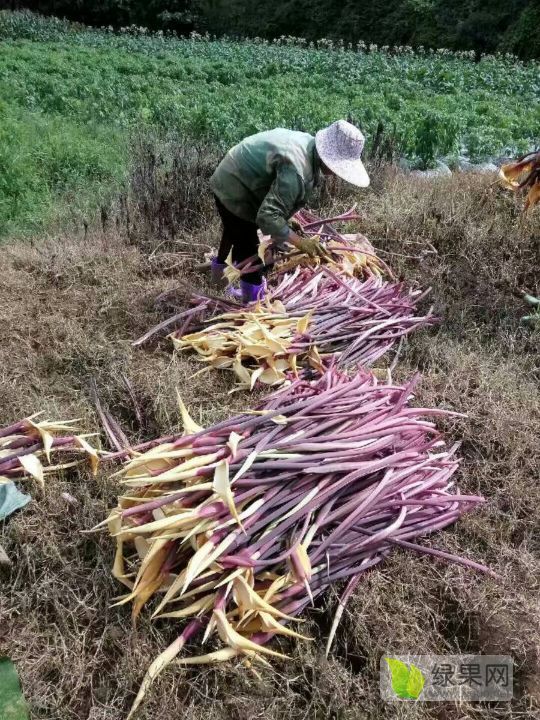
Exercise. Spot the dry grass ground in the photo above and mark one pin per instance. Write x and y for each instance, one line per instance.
(70, 307)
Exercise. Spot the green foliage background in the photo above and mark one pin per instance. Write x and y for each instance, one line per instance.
(71, 99)
(507, 25)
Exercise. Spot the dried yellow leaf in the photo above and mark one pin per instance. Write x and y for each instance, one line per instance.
(233, 442)
(241, 372)
(190, 426)
(236, 641)
(270, 624)
(46, 438)
(271, 376)
(248, 600)
(92, 454)
(303, 324)
(159, 664)
(214, 657)
(196, 608)
(33, 467)
(263, 247)
(222, 488)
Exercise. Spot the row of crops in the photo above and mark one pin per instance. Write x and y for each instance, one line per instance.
(57, 82)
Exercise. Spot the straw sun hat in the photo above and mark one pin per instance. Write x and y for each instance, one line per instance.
(340, 146)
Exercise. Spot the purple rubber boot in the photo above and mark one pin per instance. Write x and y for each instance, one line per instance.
(216, 272)
(233, 293)
(251, 293)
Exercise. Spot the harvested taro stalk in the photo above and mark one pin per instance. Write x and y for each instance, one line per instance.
(524, 174)
(238, 528)
(38, 448)
(310, 314)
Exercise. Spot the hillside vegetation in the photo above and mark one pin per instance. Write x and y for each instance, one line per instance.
(71, 99)
(505, 25)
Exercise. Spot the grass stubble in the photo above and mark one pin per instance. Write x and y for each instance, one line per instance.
(70, 306)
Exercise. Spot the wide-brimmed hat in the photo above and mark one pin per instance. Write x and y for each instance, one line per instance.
(340, 146)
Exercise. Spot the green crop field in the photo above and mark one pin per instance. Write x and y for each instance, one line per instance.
(70, 100)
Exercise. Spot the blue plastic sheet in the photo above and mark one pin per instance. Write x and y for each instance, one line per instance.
(11, 499)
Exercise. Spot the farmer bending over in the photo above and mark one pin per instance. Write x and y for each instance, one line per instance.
(264, 180)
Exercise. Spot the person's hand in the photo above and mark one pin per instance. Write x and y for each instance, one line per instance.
(295, 225)
(310, 246)
(295, 239)
(292, 238)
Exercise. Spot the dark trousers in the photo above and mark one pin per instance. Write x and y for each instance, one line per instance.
(241, 236)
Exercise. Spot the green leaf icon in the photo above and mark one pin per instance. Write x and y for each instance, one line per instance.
(12, 704)
(400, 676)
(416, 681)
(407, 681)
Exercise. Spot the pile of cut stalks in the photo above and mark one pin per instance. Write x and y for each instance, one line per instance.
(234, 531)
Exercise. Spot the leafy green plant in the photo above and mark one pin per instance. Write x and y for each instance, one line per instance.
(87, 91)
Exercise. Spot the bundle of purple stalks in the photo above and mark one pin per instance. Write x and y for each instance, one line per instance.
(309, 314)
(345, 256)
(36, 448)
(237, 529)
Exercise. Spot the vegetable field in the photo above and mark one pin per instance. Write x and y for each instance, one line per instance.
(71, 99)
